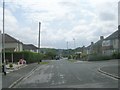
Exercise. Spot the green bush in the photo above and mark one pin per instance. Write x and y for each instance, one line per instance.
(98, 57)
(70, 57)
(50, 55)
(10, 65)
(30, 57)
(116, 55)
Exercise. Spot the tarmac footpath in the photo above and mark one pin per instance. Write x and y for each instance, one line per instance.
(111, 71)
(12, 78)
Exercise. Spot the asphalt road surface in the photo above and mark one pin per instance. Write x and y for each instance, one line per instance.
(0, 80)
(66, 74)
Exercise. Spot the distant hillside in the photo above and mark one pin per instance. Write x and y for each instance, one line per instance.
(63, 52)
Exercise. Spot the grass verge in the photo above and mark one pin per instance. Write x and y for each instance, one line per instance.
(43, 63)
(72, 60)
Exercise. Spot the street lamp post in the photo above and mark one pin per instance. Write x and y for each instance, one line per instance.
(74, 47)
(67, 50)
(39, 38)
(67, 45)
(3, 39)
(74, 43)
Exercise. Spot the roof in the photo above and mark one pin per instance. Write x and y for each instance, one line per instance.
(88, 47)
(29, 46)
(113, 35)
(99, 42)
(10, 39)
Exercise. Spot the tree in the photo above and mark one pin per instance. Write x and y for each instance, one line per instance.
(50, 55)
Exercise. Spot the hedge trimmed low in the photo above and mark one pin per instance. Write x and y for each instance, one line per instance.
(30, 57)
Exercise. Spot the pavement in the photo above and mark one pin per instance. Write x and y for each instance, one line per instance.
(15, 75)
(0, 80)
(15, 67)
(66, 74)
(110, 71)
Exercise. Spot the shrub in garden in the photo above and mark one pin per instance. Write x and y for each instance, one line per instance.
(116, 55)
(11, 65)
(30, 57)
(99, 57)
(69, 57)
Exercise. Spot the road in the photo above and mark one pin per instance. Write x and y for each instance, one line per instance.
(0, 80)
(66, 74)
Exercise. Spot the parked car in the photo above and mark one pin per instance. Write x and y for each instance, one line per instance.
(57, 57)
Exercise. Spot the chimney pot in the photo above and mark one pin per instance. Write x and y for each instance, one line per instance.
(101, 37)
(92, 43)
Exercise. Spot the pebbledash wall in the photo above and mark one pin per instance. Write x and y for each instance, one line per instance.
(12, 44)
(111, 44)
(105, 47)
(16, 46)
(0, 48)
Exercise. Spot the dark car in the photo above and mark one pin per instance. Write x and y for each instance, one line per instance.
(57, 57)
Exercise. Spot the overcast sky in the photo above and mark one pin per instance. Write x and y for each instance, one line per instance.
(61, 21)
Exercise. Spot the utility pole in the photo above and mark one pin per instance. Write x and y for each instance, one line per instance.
(39, 38)
(119, 39)
(67, 45)
(67, 50)
(3, 39)
(74, 47)
(74, 43)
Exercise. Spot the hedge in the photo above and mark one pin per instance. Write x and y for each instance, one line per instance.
(116, 55)
(30, 57)
(99, 58)
(103, 57)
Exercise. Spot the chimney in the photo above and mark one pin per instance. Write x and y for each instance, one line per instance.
(101, 37)
(118, 27)
(92, 43)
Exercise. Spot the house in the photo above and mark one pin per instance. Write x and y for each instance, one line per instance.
(111, 44)
(119, 38)
(0, 42)
(105, 47)
(30, 47)
(95, 48)
(0, 46)
(90, 48)
(12, 44)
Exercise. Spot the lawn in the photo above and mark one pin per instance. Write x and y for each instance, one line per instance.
(72, 60)
(43, 63)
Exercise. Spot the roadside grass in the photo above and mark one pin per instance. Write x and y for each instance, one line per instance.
(0, 65)
(72, 60)
(43, 63)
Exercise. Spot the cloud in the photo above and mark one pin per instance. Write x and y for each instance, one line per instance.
(106, 16)
(61, 21)
(119, 13)
(68, 3)
(11, 23)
